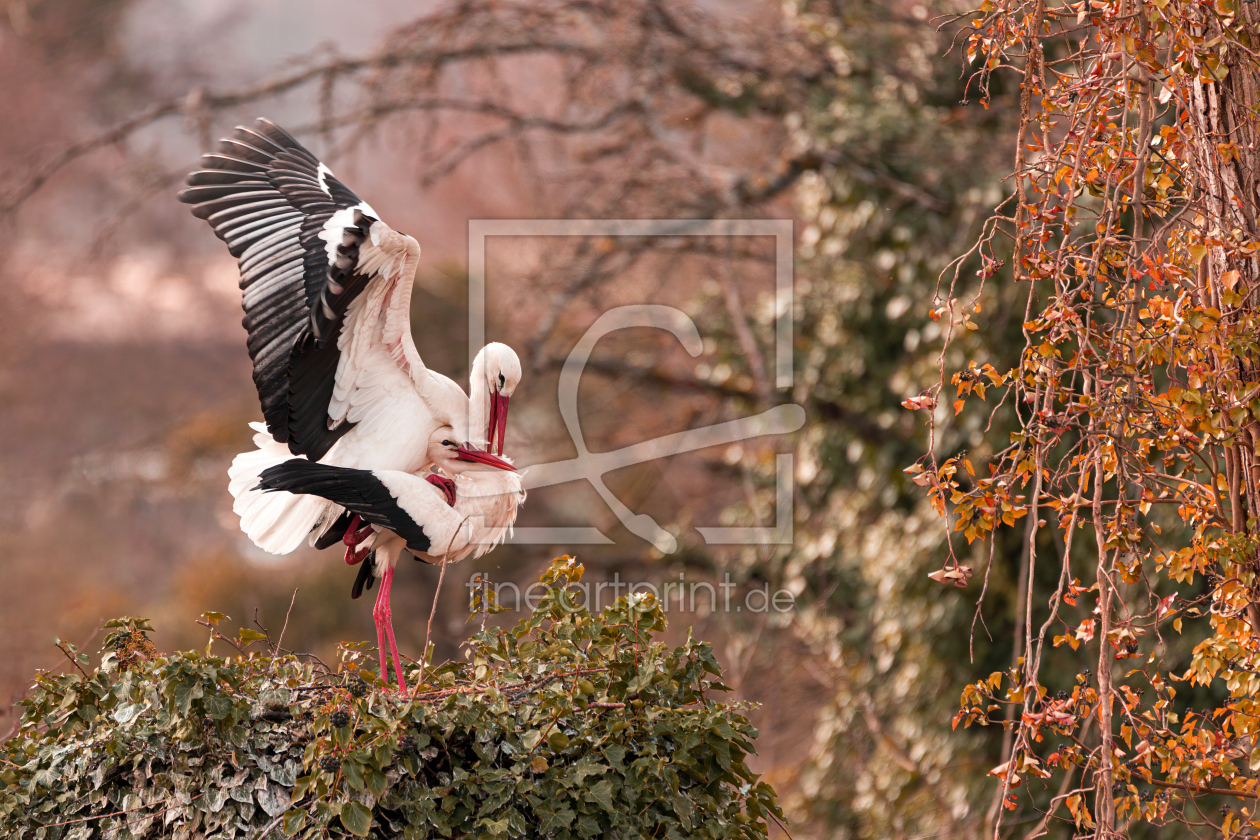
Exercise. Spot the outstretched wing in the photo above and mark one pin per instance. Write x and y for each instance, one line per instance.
(308, 248)
(406, 504)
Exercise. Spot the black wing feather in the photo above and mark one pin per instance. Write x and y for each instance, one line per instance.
(333, 534)
(366, 576)
(358, 491)
(263, 194)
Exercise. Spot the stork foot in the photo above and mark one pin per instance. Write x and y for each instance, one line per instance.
(355, 535)
(446, 485)
(355, 556)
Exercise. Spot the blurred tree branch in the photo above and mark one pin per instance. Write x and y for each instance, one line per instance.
(624, 131)
(830, 410)
(678, 58)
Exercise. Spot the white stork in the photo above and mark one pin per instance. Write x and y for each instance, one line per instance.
(439, 520)
(327, 291)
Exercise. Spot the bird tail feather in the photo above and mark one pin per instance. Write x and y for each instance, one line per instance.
(276, 522)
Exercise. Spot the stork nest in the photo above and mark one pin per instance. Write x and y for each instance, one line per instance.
(567, 725)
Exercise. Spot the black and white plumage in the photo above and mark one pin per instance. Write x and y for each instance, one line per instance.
(397, 501)
(436, 521)
(326, 287)
(299, 235)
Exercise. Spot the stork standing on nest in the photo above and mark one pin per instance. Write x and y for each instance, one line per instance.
(439, 520)
(326, 290)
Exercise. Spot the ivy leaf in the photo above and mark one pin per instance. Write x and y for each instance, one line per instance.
(218, 706)
(127, 712)
(294, 821)
(552, 818)
(602, 794)
(354, 775)
(616, 754)
(587, 765)
(182, 695)
(588, 826)
(356, 819)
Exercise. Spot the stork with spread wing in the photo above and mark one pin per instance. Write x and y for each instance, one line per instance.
(326, 288)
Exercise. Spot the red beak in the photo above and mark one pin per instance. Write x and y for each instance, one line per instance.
(476, 456)
(498, 421)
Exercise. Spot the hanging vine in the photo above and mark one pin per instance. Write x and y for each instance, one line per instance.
(1133, 222)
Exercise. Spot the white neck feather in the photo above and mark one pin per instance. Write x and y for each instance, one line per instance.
(478, 402)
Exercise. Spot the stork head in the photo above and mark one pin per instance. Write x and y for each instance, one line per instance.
(495, 374)
(455, 456)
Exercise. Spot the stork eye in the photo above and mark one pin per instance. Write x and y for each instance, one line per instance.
(502, 380)
(448, 443)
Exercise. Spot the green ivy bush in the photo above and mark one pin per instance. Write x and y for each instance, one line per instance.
(569, 725)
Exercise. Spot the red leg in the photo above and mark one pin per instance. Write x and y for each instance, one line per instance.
(385, 629)
(379, 617)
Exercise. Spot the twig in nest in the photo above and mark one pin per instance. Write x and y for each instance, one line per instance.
(83, 646)
(73, 661)
(120, 813)
(428, 630)
(286, 622)
(214, 632)
(267, 828)
(266, 632)
(521, 689)
(781, 825)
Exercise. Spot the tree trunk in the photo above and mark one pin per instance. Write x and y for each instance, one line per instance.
(1223, 117)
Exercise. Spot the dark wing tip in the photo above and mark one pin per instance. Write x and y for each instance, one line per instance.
(275, 133)
(335, 531)
(295, 475)
(366, 576)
